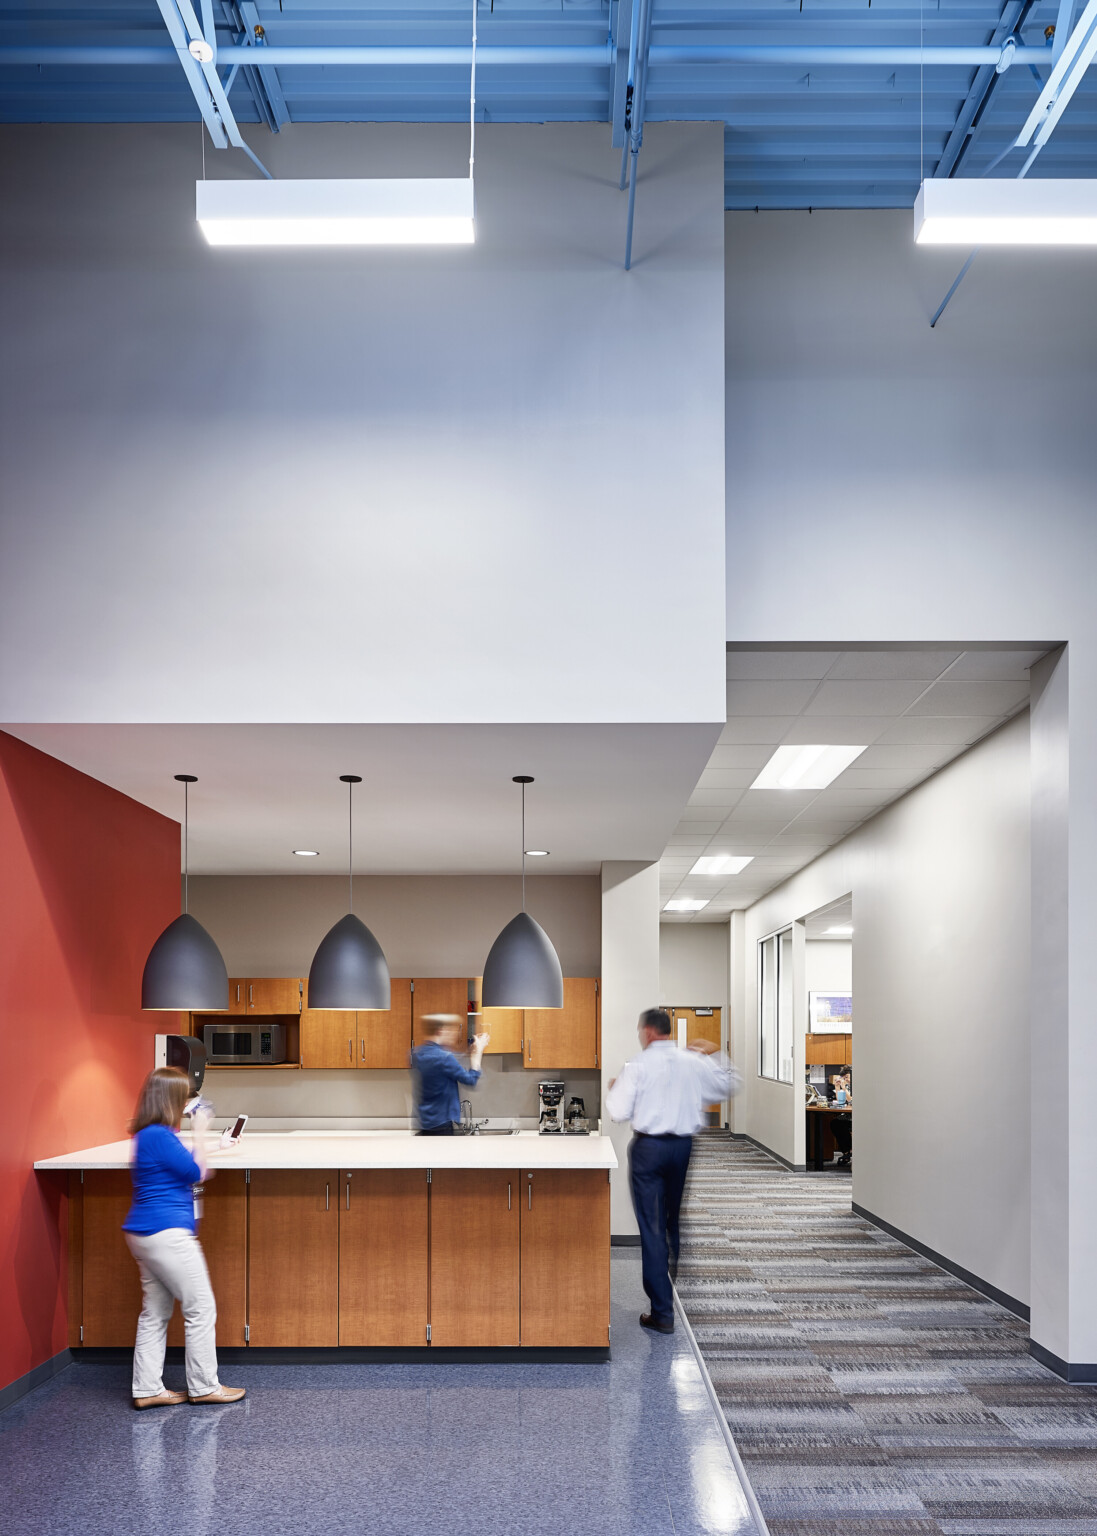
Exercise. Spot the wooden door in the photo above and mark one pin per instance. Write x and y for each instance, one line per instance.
(274, 994)
(565, 1258)
(238, 994)
(110, 1282)
(293, 1256)
(559, 1039)
(436, 994)
(223, 1233)
(384, 1038)
(699, 1026)
(328, 1038)
(383, 1257)
(474, 1257)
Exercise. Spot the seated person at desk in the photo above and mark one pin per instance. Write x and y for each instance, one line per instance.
(842, 1125)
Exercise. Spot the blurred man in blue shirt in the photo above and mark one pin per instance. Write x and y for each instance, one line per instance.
(438, 1070)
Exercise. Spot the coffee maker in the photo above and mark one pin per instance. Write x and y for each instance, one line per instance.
(550, 1103)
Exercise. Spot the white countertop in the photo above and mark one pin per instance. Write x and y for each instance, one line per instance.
(374, 1149)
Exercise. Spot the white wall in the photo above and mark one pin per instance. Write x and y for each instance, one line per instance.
(940, 886)
(385, 485)
(693, 965)
(828, 965)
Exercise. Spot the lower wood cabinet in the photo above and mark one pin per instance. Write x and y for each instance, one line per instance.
(109, 1285)
(293, 1270)
(474, 1257)
(565, 1258)
(383, 1257)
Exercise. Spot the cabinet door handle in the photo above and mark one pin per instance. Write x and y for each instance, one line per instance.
(529, 1193)
(363, 1045)
(529, 1056)
(348, 1191)
(251, 995)
(238, 994)
(350, 1052)
(327, 1197)
(508, 1197)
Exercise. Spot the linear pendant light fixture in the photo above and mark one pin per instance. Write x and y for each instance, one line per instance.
(378, 211)
(184, 971)
(1006, 212)
(522, 969)
(349, 969)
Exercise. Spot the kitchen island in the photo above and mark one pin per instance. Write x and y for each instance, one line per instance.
(368, 1240)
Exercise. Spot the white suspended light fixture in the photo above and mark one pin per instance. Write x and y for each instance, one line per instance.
(805, 767)
(522, 969)
(1006, 212)
(349, 969)
(378, 211)
(184, 971)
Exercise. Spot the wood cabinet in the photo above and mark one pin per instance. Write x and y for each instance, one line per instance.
(434, 994)
(110, 1288)
(383, 1257)
(275, 994)
(828, 1050)
(377, 1038)
(559, 1039)
(293, 1269)
(238, 994)
(506, 1026)
(329, 1038)
(564, 1220)
(474, 1257)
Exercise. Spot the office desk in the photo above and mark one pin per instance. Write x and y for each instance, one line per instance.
(815, 1125)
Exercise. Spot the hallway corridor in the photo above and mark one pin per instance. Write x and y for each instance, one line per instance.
(868, 1391)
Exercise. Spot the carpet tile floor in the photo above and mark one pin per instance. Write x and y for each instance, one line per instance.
(869, 1392)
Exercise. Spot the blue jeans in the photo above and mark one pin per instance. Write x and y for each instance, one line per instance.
(657, 1168)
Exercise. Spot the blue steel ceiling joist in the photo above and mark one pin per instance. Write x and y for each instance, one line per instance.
(201, 72)
(974, 110)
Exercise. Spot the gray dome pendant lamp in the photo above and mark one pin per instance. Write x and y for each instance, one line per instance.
(522, 969)
(184, 971)
(349, 969)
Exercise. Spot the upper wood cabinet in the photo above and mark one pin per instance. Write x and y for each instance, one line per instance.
(329, 1038)
(506, 1026)
(559, 1039)
(383, 1257)
(435, 994)
(238, 994)
(565, 1258)
(384, 1037)
(293, 1254)
(474, 1257)
(275, 994)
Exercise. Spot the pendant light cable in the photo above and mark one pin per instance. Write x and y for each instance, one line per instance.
(350, 780)
(523, 847)
(186, 779)
(472, 95)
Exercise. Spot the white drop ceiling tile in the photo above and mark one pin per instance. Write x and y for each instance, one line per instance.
(921, 666)
(741, 842)
(699, 818)
(988, 666)
(778, 665)
(753, 699)
(721, 799)
(727, 778)
(866, 698)
(937, 730)
(976, 698)
(905, 756)
(688, 842)
(896, 779)
(755, 757)
(748, 730)
(784, 803)
(861, 801)
(836, 730)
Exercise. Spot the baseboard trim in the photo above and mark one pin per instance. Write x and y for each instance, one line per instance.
(35, 1378)
(1083, 1375)
(625, 1240)
(350, 1355)
(977, 1283)
(792, 1167)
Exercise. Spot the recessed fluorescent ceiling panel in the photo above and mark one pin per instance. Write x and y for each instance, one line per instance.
(684, 905)
(412, 211)
(806, 767)
(721, 864)
(981, 212)
(840, 933)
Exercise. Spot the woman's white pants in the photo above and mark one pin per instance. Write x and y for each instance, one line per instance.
(173, 1267)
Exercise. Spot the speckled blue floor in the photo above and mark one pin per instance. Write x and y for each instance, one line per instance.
(626, 1448)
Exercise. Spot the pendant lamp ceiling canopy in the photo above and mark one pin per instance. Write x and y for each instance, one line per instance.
(349, 969)
(184, 971)
(522, 969)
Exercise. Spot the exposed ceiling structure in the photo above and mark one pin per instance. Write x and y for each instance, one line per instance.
(825, 104)
(435, 799)
(913, 711)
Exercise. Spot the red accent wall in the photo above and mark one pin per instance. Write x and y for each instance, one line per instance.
(88, 878)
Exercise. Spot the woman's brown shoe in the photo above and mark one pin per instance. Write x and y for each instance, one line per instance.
(161, 1400)
(222, 1395)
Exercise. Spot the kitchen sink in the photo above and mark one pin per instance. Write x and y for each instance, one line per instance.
(495, 1130)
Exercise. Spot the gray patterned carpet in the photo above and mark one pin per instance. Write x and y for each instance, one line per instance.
(868, 1391)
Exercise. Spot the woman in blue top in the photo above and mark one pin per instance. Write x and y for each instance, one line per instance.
(160, 1232)
(439, 1069)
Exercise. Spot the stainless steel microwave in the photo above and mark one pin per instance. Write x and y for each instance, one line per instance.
(240, 1045)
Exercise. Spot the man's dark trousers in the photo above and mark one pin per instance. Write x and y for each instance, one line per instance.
(657, 1175)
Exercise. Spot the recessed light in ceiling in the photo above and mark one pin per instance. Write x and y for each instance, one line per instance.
(682, 904)
(805, 767)
(537, 853)
(306, 853)
(839, 933)
(721, 863)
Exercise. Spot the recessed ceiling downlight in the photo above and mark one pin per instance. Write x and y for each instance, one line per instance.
(306, 853)
(537, 853)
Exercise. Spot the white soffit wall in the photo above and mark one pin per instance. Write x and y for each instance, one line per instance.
(913, 709)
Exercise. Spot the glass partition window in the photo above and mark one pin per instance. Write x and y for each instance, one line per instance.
(775, 1007)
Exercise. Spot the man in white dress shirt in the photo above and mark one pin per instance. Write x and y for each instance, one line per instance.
(663, 1092)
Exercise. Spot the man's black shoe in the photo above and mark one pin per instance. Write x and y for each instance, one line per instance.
(647, 1321)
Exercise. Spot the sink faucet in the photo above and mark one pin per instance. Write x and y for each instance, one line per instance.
(466, 1117)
